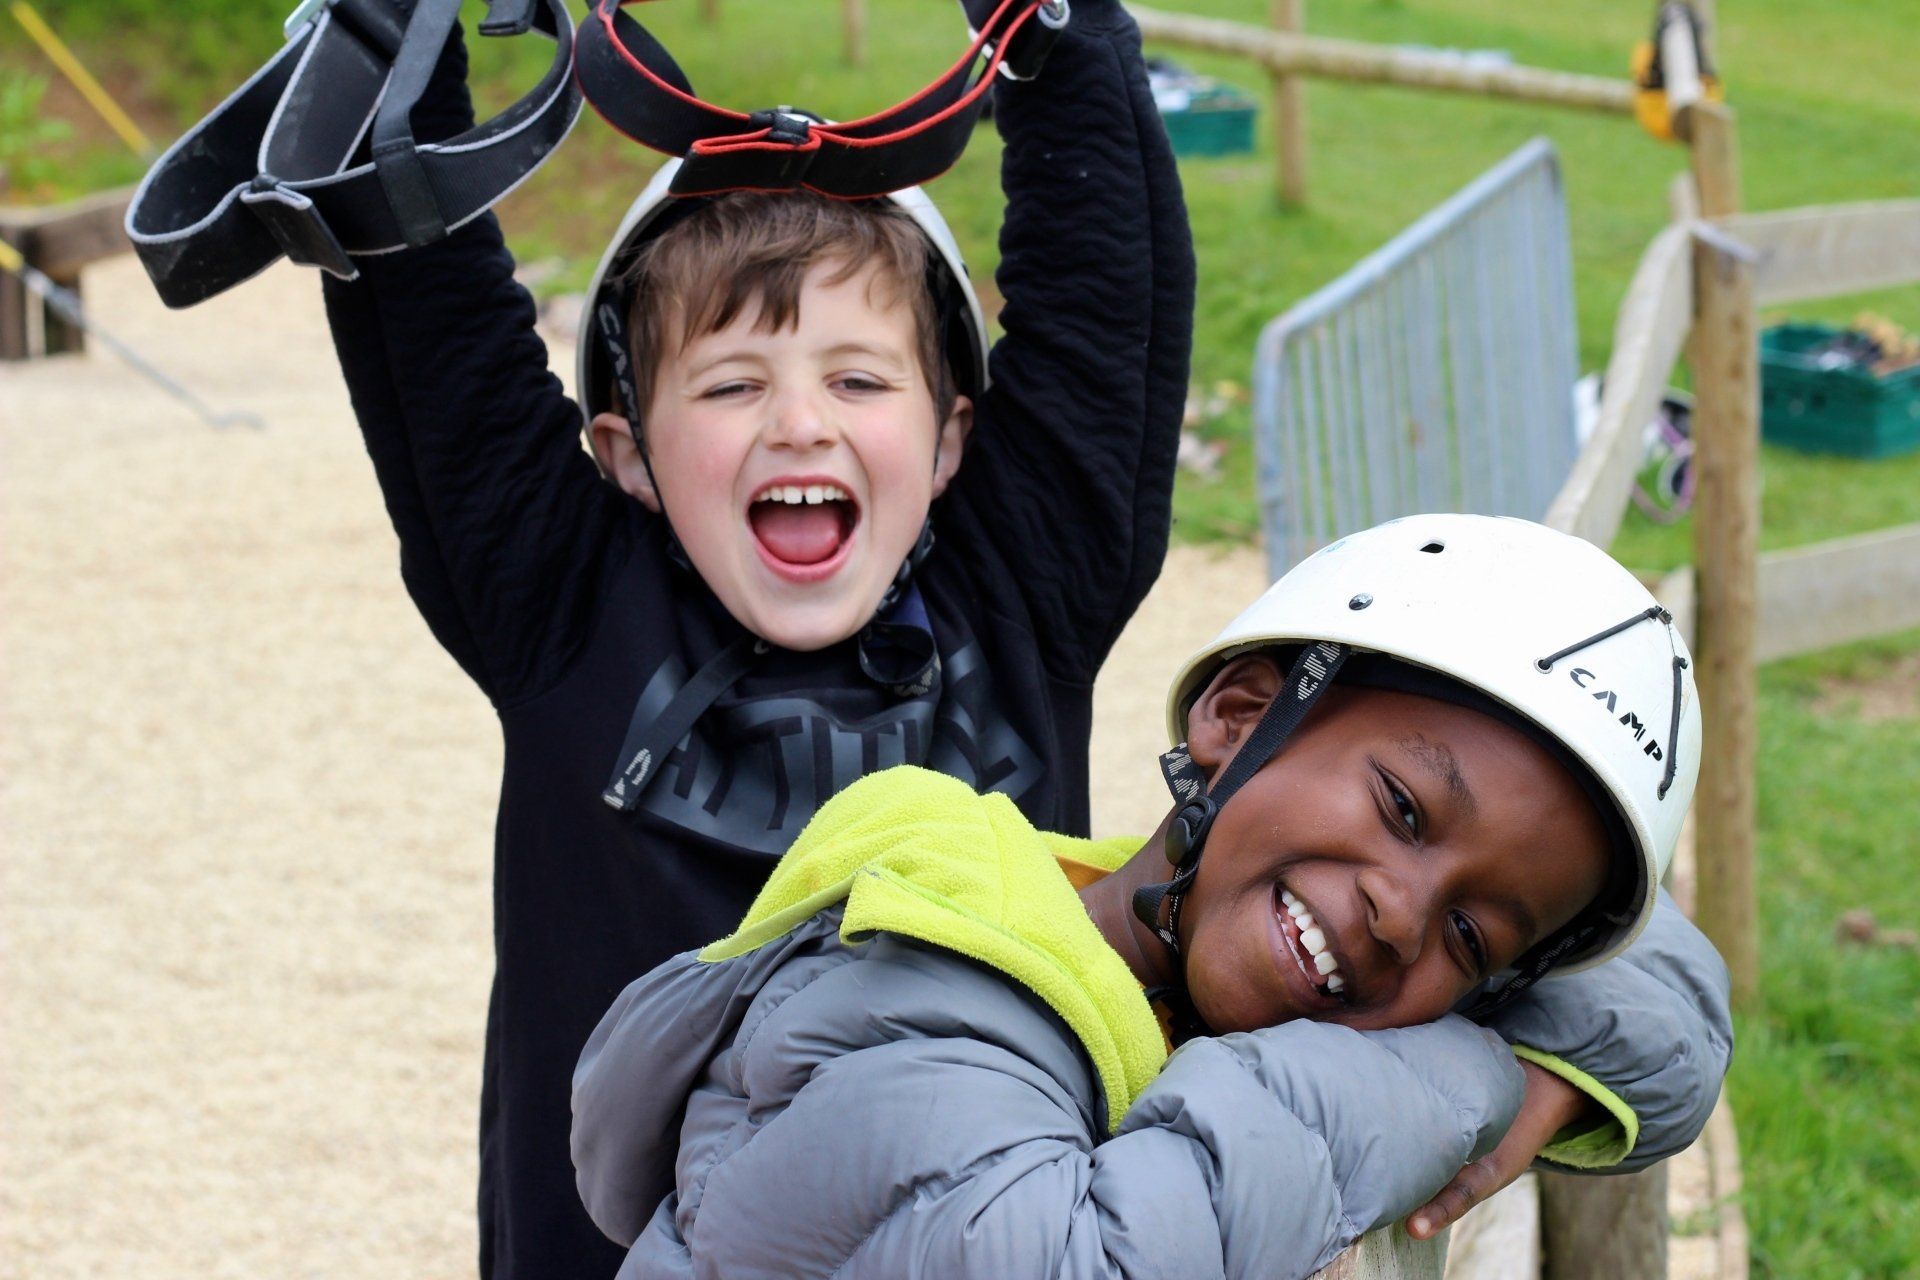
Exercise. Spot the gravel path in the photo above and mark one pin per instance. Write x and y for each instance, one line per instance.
(247, 807)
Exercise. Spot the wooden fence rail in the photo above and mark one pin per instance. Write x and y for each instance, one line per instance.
(1288, 53)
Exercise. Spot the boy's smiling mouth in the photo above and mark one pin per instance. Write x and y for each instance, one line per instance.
(1310, 950)
(803, 526)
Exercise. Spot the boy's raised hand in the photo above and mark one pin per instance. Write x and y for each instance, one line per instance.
(1551, 1104)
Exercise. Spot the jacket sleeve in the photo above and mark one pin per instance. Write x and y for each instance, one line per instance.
(1647, 1035)
(1069, 475)
(969, 1154)
(502, 519)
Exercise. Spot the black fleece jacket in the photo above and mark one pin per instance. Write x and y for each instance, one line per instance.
(559, 596)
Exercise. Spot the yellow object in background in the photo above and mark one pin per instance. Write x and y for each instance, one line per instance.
(82, 79)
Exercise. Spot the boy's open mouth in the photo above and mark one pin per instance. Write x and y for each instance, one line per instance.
(1310, 949)
(803, 526)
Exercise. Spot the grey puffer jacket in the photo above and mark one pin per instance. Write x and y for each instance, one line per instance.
(918, 1057)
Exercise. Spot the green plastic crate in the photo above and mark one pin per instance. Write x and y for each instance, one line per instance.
(1843, 410)
(1204, 117)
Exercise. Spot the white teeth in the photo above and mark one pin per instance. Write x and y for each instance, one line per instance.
(1325, 962)
(811, 495)
(1287, 897)
(1304, 920)
(1314, 940)
(1335, 982)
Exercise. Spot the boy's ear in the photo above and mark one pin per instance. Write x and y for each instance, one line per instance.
(953, 443)
(1228, 708)
(619, 457)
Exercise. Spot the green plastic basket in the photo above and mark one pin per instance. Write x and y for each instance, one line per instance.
(1204, 117)
(1844, 410)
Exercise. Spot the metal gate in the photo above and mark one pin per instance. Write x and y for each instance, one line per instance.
(1437, 375)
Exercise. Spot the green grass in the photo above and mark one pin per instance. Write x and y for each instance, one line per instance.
(1824, 1087)
(1824, 1084)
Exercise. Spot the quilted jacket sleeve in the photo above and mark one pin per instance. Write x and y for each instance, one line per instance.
(928, 1119)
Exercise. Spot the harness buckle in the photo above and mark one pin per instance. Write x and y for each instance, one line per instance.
(783, 124)
(296, 224)
(303, 13)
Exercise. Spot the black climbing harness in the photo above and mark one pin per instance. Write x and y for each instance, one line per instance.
(633, 82)
(314, 156)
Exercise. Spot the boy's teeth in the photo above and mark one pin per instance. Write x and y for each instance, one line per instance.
(1335, 982)
(1314, 940)
(1287, 897)
(811, 495)
(1324, 962)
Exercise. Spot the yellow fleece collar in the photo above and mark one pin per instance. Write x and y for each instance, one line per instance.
(919, 854)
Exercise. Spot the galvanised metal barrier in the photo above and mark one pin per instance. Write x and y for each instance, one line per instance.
(1437, 375)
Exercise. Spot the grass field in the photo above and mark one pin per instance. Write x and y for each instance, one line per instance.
(1823, 1085)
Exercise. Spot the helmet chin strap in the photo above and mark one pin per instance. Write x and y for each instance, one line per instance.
(1158, 905)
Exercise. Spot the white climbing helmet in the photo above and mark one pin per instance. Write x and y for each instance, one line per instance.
(1545, 624)
(967, 324)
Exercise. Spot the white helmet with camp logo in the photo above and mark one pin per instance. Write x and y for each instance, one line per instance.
(1542, 624)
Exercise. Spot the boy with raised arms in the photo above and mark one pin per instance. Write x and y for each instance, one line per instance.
(792, 580)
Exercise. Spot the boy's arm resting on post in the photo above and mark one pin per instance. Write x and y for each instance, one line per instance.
(501, 516)
(1069, 474)
(1640, 1046)
(1648, 1036)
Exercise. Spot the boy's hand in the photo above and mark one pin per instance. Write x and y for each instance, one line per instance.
(1551, 1105)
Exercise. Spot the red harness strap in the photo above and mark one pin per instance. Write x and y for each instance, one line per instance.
(635, 85)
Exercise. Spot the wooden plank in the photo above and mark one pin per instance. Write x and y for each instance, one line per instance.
(1290, 110)
(1726, 533)
(1723, 1151)
(1647, 340)
(1499, 1238)
(1358, 60)
(1832, 250)
(1604, 1228)
(1389, 1254)
(1837, 592)
(61, 239)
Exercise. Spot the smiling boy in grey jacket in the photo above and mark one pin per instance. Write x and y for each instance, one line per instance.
(1438, 761)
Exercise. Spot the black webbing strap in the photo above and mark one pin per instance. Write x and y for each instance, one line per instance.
(649, 738)
(313, 157)
(1309, 677)
(634, 83)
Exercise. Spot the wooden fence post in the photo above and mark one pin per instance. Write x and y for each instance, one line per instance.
(853, 26)
(1724, 353)
(1604, 1228)
(1290, 111)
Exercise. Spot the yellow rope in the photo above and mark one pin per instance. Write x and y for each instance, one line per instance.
(81, 78)
(10, 258)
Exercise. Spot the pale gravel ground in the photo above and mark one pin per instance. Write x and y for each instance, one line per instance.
(247, 809)
(247, 812)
